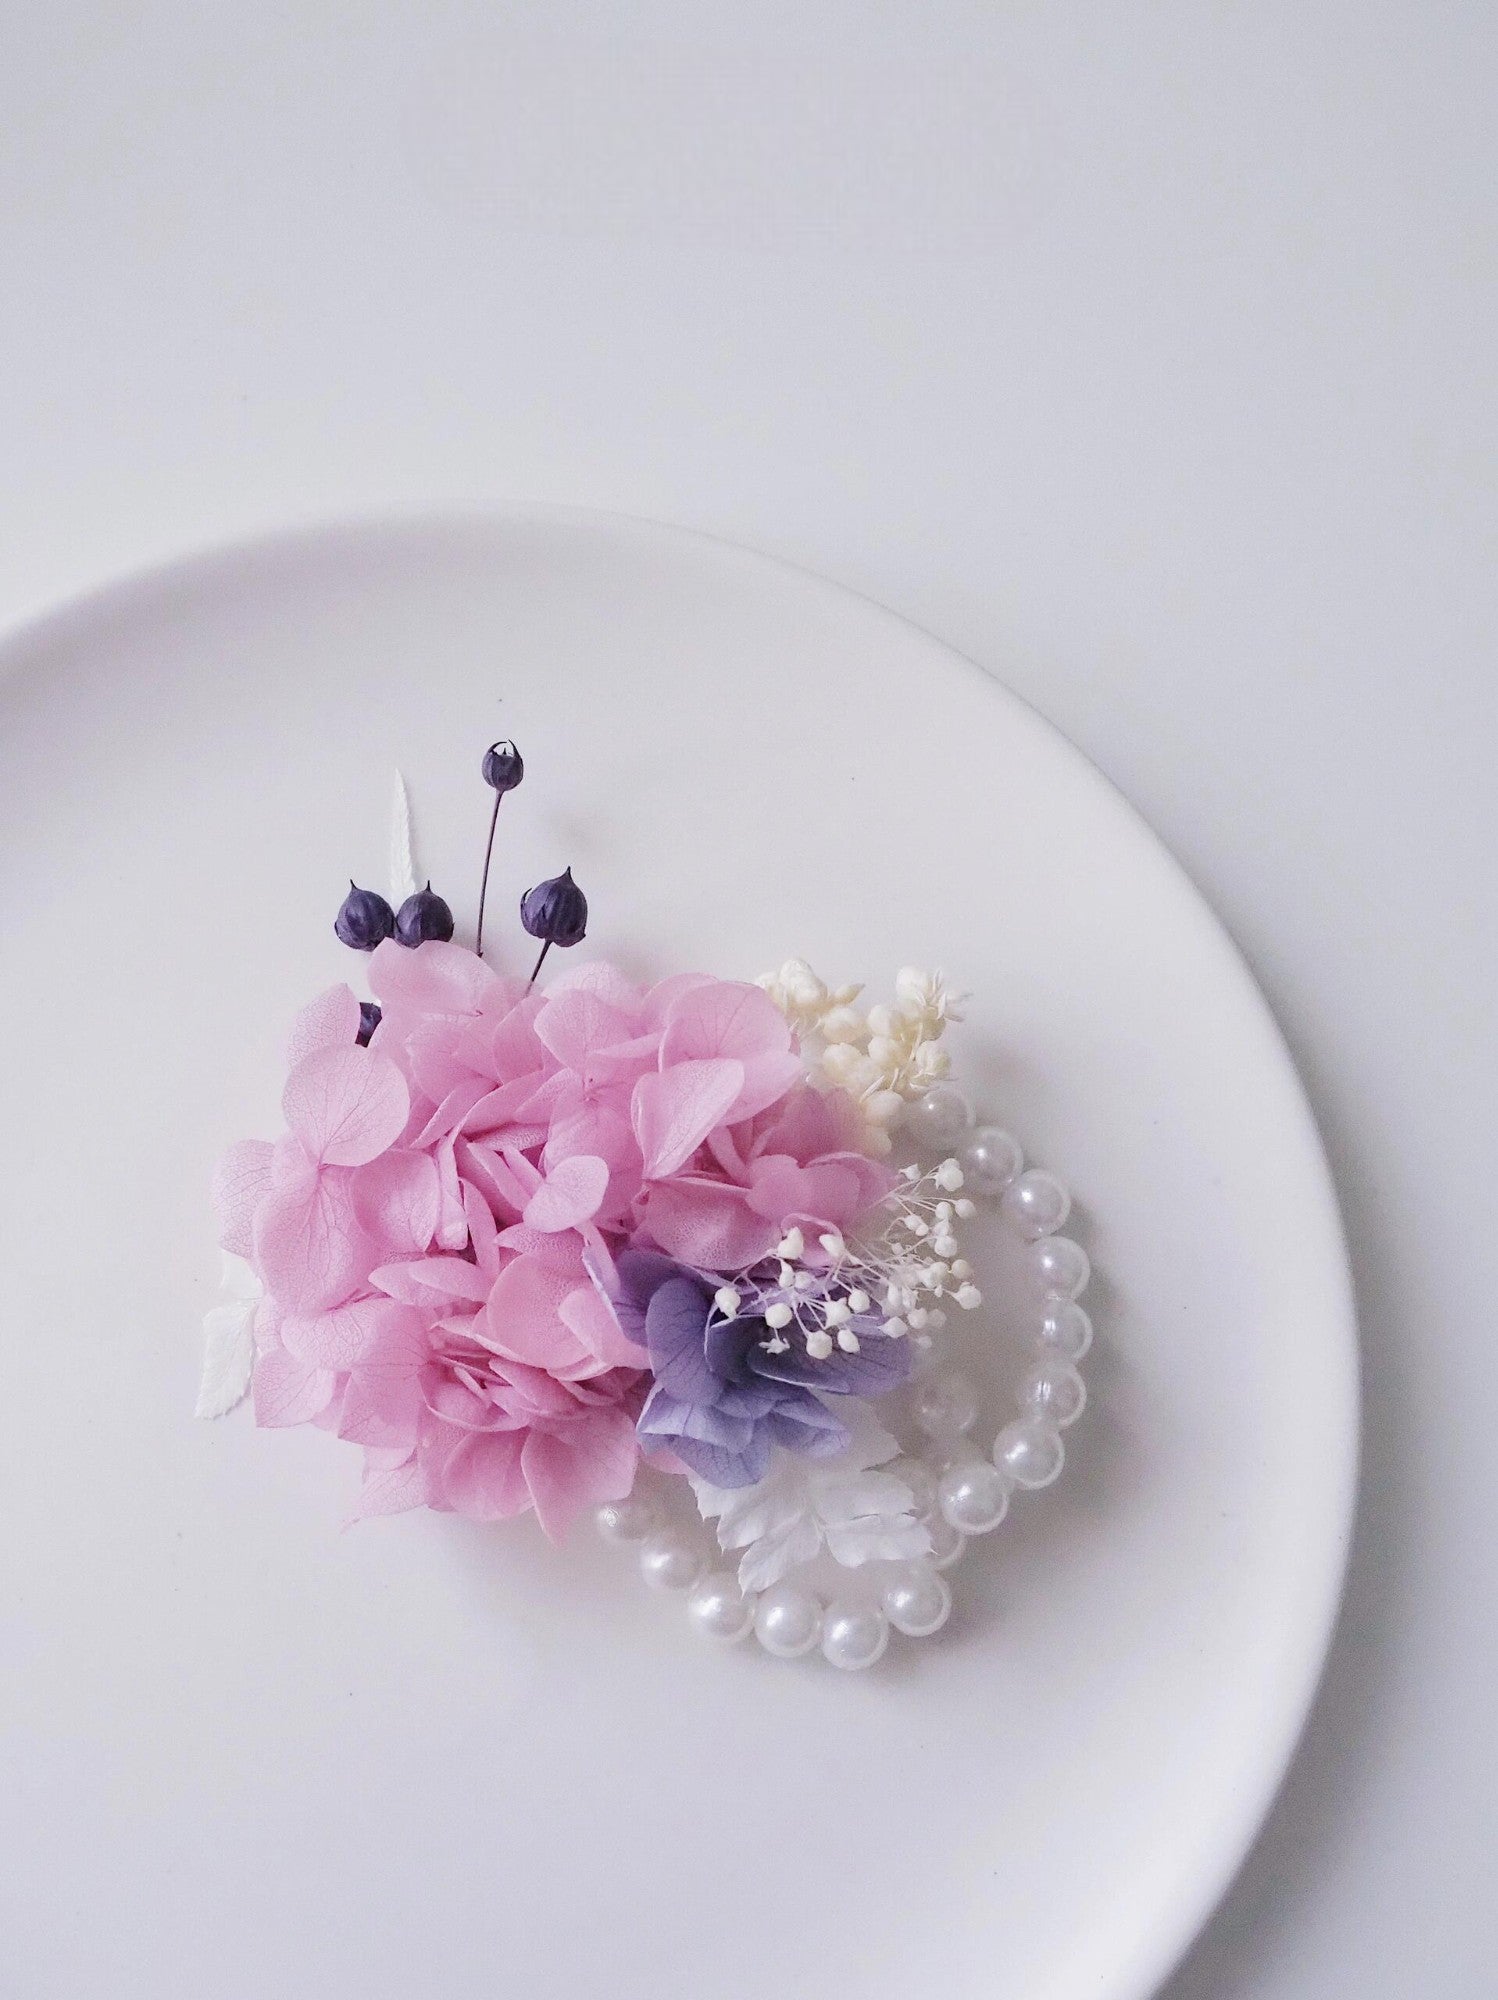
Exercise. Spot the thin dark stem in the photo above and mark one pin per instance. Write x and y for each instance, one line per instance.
(540, 962)
(478, 943)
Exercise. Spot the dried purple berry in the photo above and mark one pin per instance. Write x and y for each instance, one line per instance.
(364, 920)
(503, 766)
(369, 1020)
(556, 912)
(423, 918)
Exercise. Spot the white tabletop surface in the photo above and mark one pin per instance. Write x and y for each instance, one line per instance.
(1145, 353)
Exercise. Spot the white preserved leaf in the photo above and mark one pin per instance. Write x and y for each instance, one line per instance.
(804, 1505)
(402, 861)
(229, 1341)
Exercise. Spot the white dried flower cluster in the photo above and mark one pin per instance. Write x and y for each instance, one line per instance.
(837, 1294)
(882, 1057)
(917, 1264)
(819, 1300)
(804, 999)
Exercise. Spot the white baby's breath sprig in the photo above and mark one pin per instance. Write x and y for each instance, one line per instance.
(897, 1278)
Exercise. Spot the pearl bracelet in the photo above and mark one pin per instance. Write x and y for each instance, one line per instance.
(958, 1494)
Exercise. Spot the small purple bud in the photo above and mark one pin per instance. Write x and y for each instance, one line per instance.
(423, 918)
(503, 766)
(364, 920)
(369, 1020)
(556, 911)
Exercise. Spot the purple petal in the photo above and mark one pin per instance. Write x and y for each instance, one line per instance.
(727, 1343)
(641, 1273)
(675, 1322)
(667, 1417)
(807, 1426)
(726, 1468)
(881, 1364)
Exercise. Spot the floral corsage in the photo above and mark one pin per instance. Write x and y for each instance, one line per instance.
(679, 1255)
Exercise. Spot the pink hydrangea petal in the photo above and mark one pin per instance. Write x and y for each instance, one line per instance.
(241, 1180)
(523, 1315)
(598, 1125)
(483, 1476)
(384, 1403)
(451, 1110)
(873, 1178)
(309, 1248)
(809, 1122)
(727, 1018)
(767, 1078)
(663, 996)
(779, 1187)
(575, 1025)
(707, 1224)
(535, 1396)
(392, 1489)
(501, 1106)
(626, 1060)
(426, 1282)
(590, 1317)
(346, 1105)
(483, 1233)
(603, 1131)
(607, 982)
(452, 1223)
(558, 1252)
(427, 1054)
(591, 1460)
(289, 1164)
(337, 1338)
(723, 1146)
(287, 1391)
(331, 1021)
(434, 979)
(487, 1170)
(398, 1198)
(570, 1194)
(674, 1110)
(527, 1174)
(505, 1046)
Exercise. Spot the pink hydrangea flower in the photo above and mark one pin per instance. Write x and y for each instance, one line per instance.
(437, 1228)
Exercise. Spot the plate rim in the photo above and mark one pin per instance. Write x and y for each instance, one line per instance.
(1241, 1816)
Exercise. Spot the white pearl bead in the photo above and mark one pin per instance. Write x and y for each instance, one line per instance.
(719, 1609)
(1054, 1390)
(1030, 1451)
(990, 1160)
(1036, 1204)
(938, 1119)
(853, 1635)
(925, 1353)
(668, 1561)
(628, 1520)
(1062, 1266)
(787, 1621)
(1064, 1326)
(916, 1600)
(945, 1405)
(947, 1542)
(974, 1496)
(919, 1477)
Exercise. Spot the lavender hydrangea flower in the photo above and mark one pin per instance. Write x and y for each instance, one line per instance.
(726, 1390)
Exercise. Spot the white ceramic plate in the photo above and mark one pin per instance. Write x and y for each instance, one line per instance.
(249, 1754)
